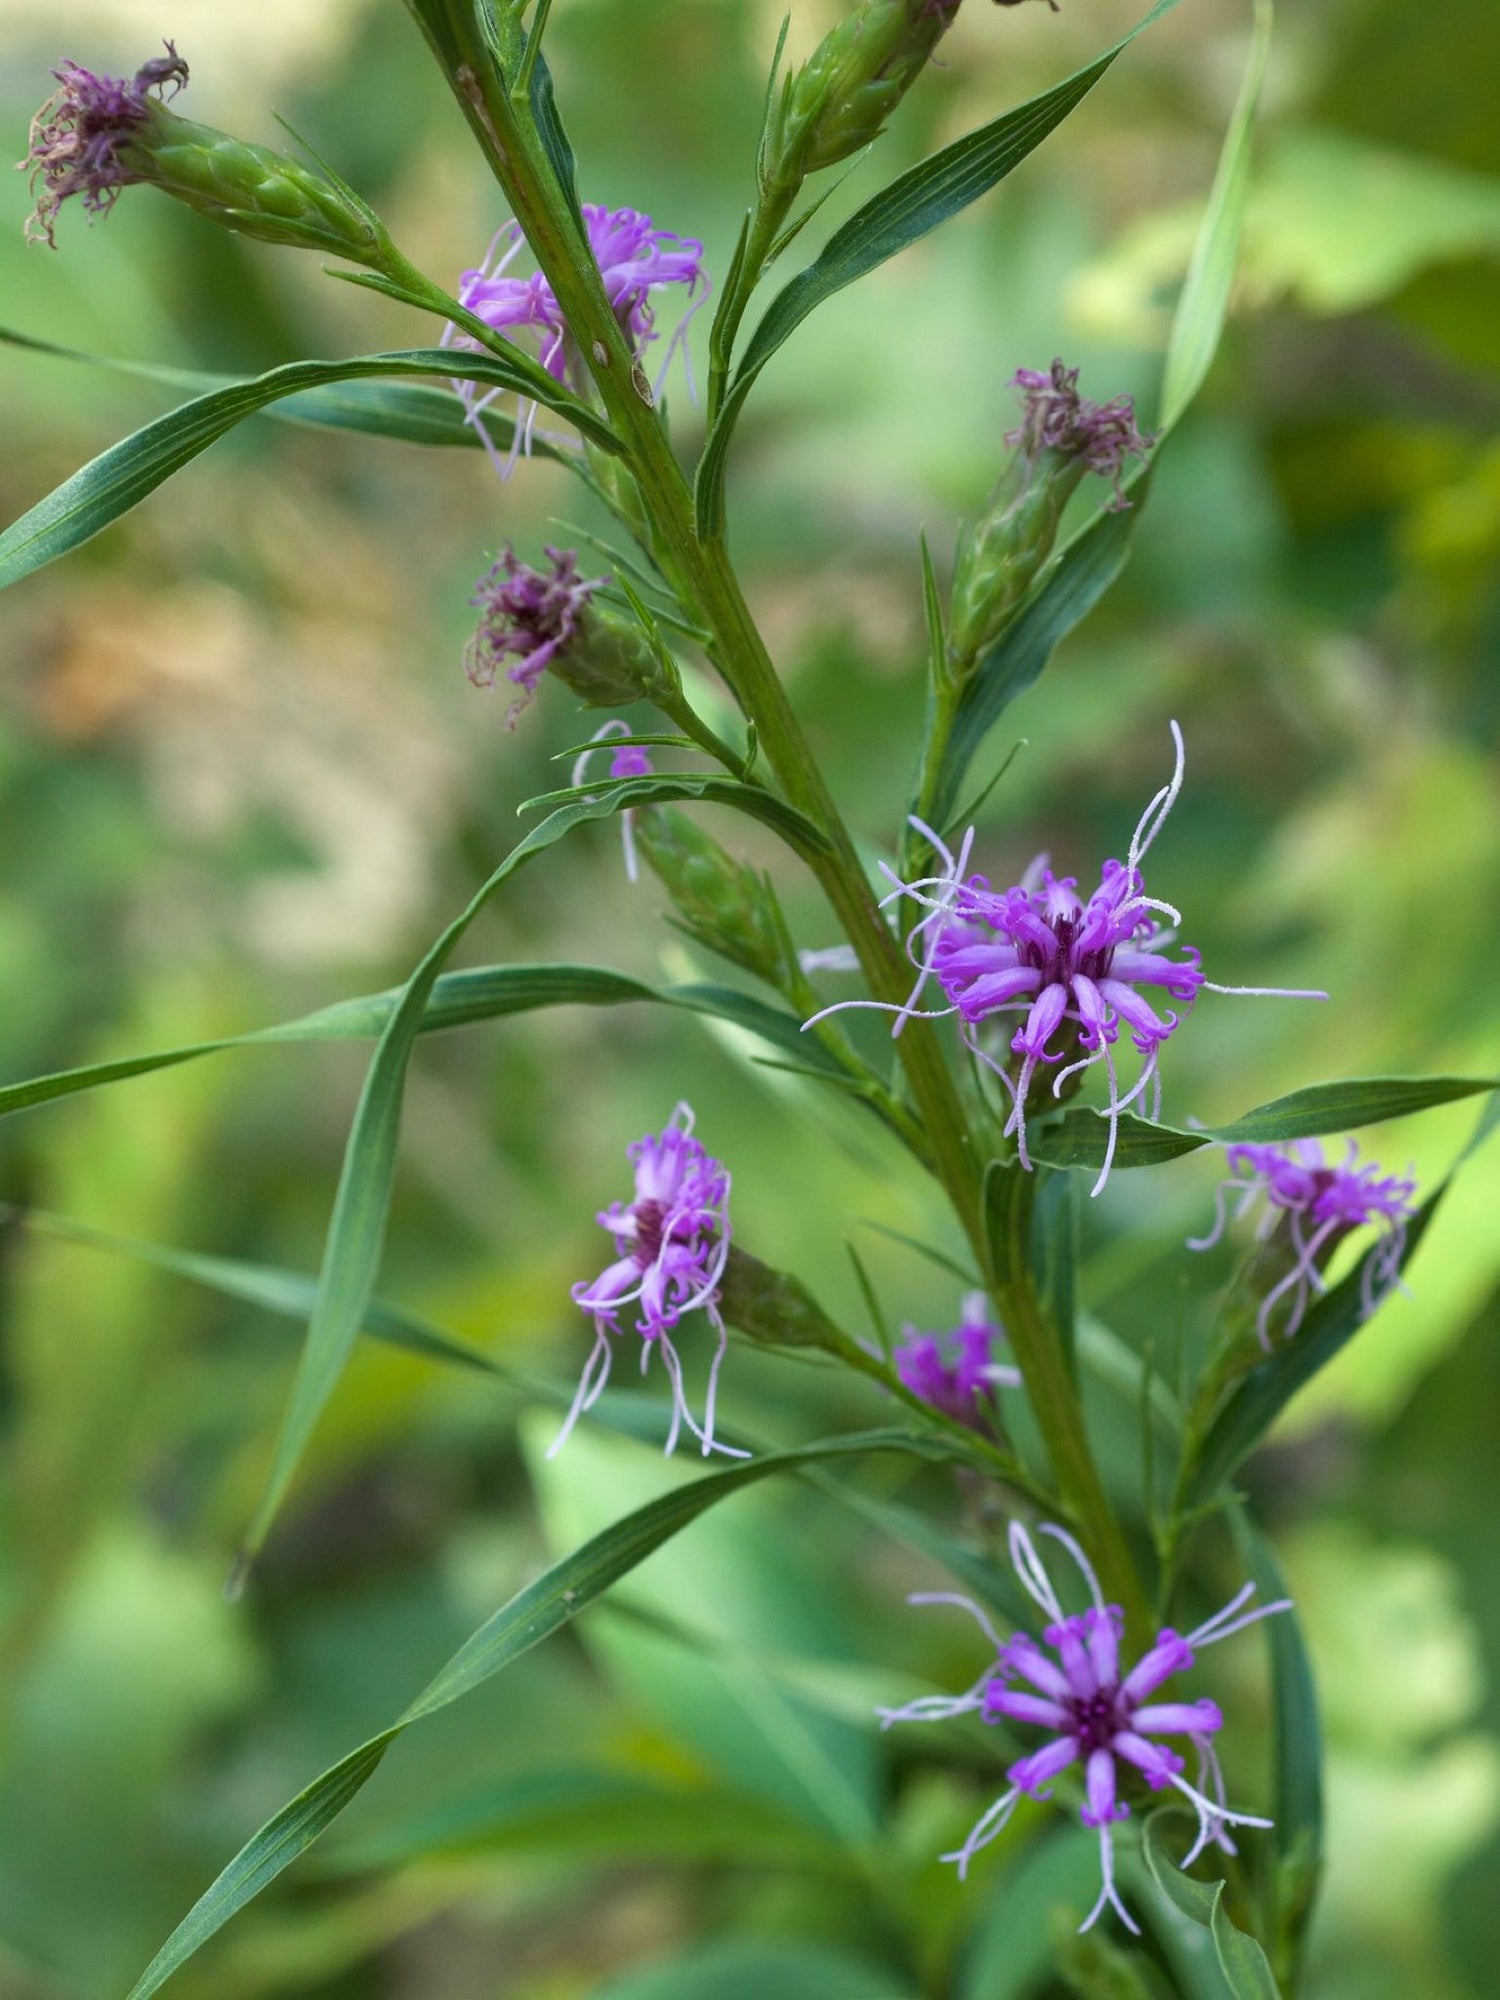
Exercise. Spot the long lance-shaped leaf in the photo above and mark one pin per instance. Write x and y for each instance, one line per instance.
(121, 477)
(1082, 571)
(356, 1234)
(485, 993)
(914, 204)
(1079, 1137)
(286, 1294)
(410, 412)
(532, 1615)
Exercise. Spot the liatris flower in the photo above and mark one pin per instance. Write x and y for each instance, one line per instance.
(627, 760)
(957, 1372)
(1101, 1715)
(672, 1242)
(1074, 969)
(635, 259)
(1061, 436)
(1055, 418)
(1316, 1205)
(528, 616)
(81, 137)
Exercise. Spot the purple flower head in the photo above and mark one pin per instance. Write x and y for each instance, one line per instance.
(1056, 418)
(957, 1372)
(1074, 968)
(635, 259)
(627, 760)
(1099, 1713)
(528, 616)
(671, 1244)
(1318, 1204)
(79, 136)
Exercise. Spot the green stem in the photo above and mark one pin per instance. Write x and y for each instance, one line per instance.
(704, 571)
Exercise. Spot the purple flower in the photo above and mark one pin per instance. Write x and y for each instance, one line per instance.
(1099, 1713)
(671, 1243)
(80, 136)
(1074, 969)
(1056, 418)
(635, 259)
(1319, 1205)
(957, 1372)
(628, 760)
(528, 616)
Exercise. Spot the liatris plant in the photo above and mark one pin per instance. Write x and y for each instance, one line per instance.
(1029, 1019)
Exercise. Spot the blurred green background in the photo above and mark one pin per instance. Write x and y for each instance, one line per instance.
(242, 774)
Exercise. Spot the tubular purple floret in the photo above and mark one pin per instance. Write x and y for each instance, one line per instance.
(528, 616)
(957, 1372)
(1056, 418)
(1315, 1204)
(1096, 1716)
(80, 136)
(1073, 969)
(636, 261)
(672, 1242)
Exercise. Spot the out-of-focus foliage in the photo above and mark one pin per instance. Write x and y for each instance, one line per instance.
(241, 774)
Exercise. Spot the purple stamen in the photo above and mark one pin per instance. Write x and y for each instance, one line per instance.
(80, 135)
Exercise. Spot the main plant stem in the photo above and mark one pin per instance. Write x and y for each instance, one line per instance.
(704, 571)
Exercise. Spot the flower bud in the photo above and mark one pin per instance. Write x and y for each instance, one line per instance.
(98, 134)
(842, 95)
(770, 1307)
(721, 902)
(547, 623)
(1061, 436)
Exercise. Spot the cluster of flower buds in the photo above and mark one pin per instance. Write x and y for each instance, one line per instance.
(98, 134)
(544, 621)
(1061, 436)
(840, 98)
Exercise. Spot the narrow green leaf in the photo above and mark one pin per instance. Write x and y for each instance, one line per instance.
(287, 1294)
(1081, 572)
(485, 993)
(794, 827)
(121, 477)
(1079, 1137)
(411, 412)
(1298, 1740)
(1199, 319)
(356, 1235)
(533, 1614)
(915, 203)
(1241, 1959)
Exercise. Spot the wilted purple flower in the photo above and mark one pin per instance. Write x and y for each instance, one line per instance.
(672, 1243)
(958, 1372)
(1056, 418)
(635, 259)
(80, 136)
(1319, 1205)
(1100, 1715)
(528, 616)
(629, 760)
(1074, 969)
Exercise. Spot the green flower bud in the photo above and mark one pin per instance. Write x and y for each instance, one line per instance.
(98, 134)
(720, 901)
(1062, 435)
(841, 97)
(770, 1307)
